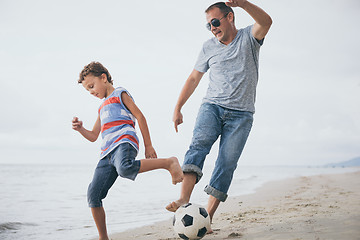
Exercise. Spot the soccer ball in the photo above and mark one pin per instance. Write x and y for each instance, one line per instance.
(191, 221)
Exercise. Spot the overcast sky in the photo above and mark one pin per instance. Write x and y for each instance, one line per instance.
(307, 108)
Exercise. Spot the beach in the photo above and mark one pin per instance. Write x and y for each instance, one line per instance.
(56, 195)
(318, 207)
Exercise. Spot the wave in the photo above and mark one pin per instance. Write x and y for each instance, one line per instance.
(11, 226)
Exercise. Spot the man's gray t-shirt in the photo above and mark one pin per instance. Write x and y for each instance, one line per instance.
(233, 70)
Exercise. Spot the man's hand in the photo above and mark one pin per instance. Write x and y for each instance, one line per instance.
(236, 3)
(262, 20)
(177, 119)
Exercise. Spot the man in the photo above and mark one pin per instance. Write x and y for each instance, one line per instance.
(227, 109)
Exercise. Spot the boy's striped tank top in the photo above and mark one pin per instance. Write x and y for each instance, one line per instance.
(117, 123)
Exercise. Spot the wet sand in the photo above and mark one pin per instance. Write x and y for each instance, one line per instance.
(316, 207)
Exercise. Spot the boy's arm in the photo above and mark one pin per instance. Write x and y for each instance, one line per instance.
(129, 103)
(262, 20)
(89, 135)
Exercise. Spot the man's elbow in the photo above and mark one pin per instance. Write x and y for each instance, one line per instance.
(269, 22)
(265, 27)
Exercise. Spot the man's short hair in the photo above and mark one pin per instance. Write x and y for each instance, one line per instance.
(225, 9)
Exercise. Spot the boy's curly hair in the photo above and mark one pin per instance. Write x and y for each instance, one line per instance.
(95, 69)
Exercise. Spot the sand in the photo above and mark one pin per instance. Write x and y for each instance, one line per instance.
(316, 207)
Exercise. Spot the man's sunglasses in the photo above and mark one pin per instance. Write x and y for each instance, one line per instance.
(215, 22)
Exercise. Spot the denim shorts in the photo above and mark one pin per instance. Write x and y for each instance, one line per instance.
(119, 162)
(233, 128)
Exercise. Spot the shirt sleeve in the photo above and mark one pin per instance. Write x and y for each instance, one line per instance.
(202, 64)
(255, 41)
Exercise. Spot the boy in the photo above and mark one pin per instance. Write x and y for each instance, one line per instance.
(116, 122)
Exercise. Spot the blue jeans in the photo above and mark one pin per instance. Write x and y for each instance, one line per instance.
(120, 161)
(234, 128)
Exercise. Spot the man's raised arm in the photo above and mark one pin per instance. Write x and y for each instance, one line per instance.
(262, 20)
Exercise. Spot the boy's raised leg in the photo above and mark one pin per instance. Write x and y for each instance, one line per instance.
(171, 164)
(100, 221)
(187, 187)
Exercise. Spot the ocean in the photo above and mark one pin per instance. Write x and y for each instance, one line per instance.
(49, 201)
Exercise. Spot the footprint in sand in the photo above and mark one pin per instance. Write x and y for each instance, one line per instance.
(234, 235)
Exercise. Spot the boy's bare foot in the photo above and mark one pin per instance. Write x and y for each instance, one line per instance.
(175, 170)
(172, 207)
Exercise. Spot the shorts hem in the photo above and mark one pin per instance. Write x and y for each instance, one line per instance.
(221, 196)
(95, 205)
(136, 171)
(190, 168)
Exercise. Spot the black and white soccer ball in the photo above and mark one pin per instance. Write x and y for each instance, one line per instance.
(191, 221)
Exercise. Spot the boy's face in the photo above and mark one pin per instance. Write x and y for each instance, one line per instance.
(96, 85)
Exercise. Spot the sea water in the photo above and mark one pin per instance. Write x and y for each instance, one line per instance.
(49, 201)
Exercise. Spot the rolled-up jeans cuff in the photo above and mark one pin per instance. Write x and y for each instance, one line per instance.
(190, 168)
(215, 193)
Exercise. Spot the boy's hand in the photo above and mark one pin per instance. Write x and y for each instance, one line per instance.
(76, 124)
(150, 152)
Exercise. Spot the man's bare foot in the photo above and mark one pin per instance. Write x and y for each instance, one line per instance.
(210, 231)
(175, 170)
(172, 207)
